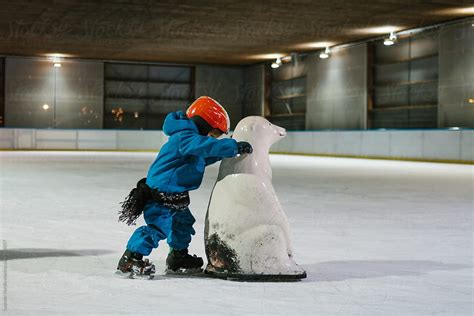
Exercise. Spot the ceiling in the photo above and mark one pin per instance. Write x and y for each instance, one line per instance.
(217, 32)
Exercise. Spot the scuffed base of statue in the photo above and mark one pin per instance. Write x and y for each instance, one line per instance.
(236, 276)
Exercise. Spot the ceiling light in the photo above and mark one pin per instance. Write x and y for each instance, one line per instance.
(467, 10)
(390, 40)
(314, 45)
(56, 60)
(377, 30)
(264, 56)
(325, 54)
(45, 107)
(277, 63)
(58, 55)
(456, 11)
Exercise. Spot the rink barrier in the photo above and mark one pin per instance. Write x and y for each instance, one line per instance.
(452, 161)
(446, 145)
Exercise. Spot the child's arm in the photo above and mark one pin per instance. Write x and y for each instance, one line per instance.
(211, 160)
(242, 148)
(208, 147)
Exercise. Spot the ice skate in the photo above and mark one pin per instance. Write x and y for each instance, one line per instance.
(180, 262)
(133, 266)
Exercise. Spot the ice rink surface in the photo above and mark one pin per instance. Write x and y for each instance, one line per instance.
(375, 237)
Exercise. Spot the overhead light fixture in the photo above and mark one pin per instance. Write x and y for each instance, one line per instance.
(276, 63)
(325, 54)
(56, 60)
(390, 40)
(45, 107)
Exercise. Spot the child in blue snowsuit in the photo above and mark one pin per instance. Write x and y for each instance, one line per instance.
(179, 168)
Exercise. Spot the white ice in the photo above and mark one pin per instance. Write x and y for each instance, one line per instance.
(375, 237)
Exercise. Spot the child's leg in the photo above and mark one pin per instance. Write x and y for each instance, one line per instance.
(146, 238)
(182, 222)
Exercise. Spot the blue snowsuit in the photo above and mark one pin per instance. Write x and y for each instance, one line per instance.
(179, 167)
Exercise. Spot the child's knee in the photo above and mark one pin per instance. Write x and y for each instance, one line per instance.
(183, 217)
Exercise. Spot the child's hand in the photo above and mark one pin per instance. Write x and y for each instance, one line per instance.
(244, 148)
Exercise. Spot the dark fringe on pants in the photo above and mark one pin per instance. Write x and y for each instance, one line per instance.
(134, 203)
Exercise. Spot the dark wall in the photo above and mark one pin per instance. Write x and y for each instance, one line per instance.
(456, 75)
(287, 94)
(139, 96)
(226, 85)
(29, 85)
(2, 92)
(406, 83)
(337, 90)
(336, 95)
(73, 94)
(254, 83)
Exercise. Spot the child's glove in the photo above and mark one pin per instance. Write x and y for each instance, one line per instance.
(244, 148)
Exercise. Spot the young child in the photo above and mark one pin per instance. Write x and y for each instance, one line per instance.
(163, 195)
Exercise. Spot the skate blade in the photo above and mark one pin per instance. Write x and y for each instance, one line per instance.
(133, 275)
(195, 271)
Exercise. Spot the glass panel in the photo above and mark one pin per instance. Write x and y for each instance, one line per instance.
(142, 97)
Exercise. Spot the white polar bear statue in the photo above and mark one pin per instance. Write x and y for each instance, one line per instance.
(247, 232)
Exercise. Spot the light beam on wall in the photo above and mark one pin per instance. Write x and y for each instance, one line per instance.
(314, 45)
(456, 11)
(377, 30)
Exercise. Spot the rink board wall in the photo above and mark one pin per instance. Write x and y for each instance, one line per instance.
(422, 144)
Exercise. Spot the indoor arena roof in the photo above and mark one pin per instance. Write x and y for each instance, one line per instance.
(218, 32)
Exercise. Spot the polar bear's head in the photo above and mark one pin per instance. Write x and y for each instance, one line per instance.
(258, 131)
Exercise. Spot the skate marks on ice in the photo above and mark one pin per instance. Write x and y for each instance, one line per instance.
(333, 271)
(5, 275)
(35, 253)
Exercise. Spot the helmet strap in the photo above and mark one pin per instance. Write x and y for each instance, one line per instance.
(203, 127)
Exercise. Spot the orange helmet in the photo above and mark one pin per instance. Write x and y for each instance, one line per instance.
(211, 111)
